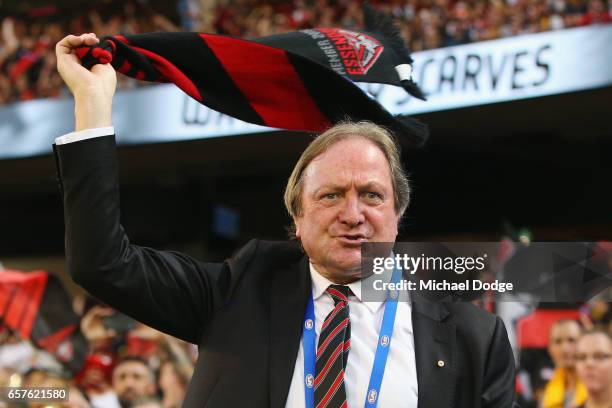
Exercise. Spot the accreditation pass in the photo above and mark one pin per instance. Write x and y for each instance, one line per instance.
(33, 394)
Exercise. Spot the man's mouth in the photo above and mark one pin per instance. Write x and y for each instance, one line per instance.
(129, 395)
(353, 239)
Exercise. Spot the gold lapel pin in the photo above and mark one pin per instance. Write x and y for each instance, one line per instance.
(440, 363)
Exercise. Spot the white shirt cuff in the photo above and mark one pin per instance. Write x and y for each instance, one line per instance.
(85, 134)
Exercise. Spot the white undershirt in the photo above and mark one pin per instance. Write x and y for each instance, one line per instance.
(84, 134)
(399, 386)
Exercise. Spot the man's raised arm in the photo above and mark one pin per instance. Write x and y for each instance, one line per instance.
(169, 291)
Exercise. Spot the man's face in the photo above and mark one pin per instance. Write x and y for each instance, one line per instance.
(347, 199)
(562, 344)
(132, 380)
(594, 361)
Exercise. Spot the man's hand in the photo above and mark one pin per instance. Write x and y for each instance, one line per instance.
(92, 327)
(93, 90)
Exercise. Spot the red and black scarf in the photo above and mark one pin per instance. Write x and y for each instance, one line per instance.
(302, 80)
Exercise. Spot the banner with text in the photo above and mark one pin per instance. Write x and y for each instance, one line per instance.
(502, 70)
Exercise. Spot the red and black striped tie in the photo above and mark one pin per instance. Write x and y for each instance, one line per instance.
(332, 351)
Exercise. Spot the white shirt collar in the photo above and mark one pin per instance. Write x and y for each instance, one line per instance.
(321, 283)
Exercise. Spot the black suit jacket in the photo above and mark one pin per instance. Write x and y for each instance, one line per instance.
(246, 313)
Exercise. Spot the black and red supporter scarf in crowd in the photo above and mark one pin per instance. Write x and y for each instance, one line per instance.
(302, 80)
(36, 306)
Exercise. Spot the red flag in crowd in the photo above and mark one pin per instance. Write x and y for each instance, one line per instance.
(37, 307)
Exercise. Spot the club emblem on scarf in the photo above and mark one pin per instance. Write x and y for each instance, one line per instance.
(358, 51)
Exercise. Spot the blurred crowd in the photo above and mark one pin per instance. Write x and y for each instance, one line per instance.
(563, 362)
(27, 43)
(27, 60)
(424, 24)
(130, 365)
(577, 371)
(127, 364)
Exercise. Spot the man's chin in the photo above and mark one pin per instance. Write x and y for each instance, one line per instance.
(128, 397)
(348, 267)
(347, 254)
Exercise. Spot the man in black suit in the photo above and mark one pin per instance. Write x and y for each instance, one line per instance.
(281, 324)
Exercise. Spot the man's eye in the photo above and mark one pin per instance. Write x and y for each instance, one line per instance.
(330, 196)
(371, 195)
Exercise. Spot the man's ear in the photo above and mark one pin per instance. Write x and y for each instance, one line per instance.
(397, 225)
(297, 228)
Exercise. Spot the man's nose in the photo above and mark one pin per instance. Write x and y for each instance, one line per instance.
(130, 383)
(352, 211)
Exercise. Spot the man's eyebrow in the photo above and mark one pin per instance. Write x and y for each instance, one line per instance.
(341, 187)
(371, 185)
(330, 186)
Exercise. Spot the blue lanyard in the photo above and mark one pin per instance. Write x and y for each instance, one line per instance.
(380, 359)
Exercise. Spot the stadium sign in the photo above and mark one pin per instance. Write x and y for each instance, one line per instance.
(526, 66)
(522, 67)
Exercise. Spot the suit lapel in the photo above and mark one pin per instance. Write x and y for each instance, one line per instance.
(435, 352)
(288, 297)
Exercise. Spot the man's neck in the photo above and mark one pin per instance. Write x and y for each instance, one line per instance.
(340, 280)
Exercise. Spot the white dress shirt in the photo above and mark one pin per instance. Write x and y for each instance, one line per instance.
(84, 134)
(399, 388)
(399, 385)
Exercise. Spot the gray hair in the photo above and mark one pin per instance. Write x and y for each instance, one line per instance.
(378, 135)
